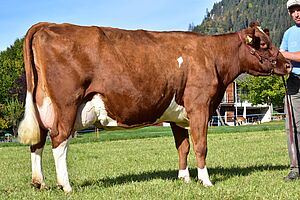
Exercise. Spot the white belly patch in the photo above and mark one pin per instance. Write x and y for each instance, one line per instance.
(175, 113)
(92, 111)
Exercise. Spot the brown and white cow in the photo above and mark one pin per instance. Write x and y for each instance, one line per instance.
(78, 76)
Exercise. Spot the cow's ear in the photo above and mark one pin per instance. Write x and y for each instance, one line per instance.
(249, 40)
(249, 35)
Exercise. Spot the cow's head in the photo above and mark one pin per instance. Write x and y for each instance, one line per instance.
(260, 56)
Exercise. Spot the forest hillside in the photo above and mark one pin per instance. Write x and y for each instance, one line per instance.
(233, 15)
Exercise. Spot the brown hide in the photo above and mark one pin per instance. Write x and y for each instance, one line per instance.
(136, 72)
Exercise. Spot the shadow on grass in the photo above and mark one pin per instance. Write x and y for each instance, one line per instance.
(226, 173)
(221, 173)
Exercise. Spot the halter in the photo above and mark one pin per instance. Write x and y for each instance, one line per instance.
(272, 59)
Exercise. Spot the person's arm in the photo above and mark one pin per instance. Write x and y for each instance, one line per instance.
(295, 56)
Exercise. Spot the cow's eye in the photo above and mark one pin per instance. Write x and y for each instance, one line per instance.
(263, 45)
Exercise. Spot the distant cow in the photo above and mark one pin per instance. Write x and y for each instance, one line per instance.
(113, 78)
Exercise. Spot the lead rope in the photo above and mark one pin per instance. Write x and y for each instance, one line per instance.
(272, 60)
(292, 128)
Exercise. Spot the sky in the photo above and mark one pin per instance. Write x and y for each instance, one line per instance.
(17, 16)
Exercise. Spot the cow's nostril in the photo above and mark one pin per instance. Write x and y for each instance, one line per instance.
(288, 66)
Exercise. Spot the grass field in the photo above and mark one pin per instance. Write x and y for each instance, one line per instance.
(247, 162)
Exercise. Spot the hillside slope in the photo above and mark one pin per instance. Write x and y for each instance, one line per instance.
(233, 15)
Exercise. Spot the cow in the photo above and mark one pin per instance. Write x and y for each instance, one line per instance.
(78, 76)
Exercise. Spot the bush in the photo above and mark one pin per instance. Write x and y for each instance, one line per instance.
(10, 114)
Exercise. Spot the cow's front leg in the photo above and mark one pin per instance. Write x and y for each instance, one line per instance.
(36, 162)
(198, 129)
(181, 137)
(60, 159)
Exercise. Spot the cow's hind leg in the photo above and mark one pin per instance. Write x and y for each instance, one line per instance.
(60, 143)
(181, 137)
(36, 161)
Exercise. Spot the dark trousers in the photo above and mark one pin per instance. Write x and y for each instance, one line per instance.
(293, 85)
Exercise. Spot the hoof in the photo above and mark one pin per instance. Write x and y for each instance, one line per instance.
(185, 179)
(204, 177)
(184, 175)
(67, 189)
(208, 184)
(38, 185)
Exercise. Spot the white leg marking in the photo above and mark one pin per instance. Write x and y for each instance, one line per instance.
(60, 159)
(203, 176)
(184, 174)
(36, 165)
(180, 61)
(29, 129)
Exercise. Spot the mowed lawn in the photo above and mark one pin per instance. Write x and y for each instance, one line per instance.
(246, 162)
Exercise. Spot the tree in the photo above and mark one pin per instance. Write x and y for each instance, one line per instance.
(261, 90)
(191, 27)
(12, 112)
(11, 68)
(271, 14)
(12, 88)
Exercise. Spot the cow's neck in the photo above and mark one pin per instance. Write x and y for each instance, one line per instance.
(227, 57)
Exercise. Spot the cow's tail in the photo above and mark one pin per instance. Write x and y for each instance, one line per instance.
(29, 128)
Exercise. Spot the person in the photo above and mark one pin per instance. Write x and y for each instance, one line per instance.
(290, 49)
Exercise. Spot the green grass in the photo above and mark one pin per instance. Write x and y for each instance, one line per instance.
(246, 162)
(154, 131)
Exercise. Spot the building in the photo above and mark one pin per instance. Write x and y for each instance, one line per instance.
(232, 111)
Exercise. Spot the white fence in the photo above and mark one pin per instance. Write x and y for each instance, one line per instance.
(241, 120)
